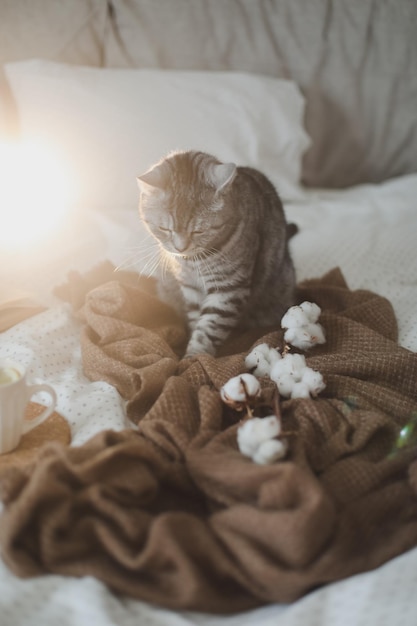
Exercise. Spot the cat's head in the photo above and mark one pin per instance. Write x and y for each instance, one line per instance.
(183, 201)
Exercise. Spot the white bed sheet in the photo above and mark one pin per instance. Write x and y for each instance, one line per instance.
(369, 232)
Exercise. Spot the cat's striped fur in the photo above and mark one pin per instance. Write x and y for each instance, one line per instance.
(224, 243)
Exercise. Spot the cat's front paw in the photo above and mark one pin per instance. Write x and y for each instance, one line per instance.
(199, 345)
(194, 354)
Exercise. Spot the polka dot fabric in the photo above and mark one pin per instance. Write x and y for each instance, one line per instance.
(49, 347)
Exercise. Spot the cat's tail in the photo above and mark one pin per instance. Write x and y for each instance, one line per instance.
(292, 229)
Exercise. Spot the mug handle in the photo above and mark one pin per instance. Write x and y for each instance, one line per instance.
(29, 424)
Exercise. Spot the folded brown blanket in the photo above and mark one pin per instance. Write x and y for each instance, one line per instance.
(172, 513)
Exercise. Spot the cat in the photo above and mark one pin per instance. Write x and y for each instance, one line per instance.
(223, 245)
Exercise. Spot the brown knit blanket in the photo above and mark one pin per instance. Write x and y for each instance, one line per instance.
(173, 514)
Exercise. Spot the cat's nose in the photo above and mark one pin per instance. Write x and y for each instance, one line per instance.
(180, 242)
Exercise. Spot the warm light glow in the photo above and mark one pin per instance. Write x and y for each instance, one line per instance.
(36, 192)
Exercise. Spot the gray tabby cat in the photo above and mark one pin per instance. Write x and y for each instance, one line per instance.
(223, 243)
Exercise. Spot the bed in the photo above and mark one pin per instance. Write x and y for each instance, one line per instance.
(320, 96)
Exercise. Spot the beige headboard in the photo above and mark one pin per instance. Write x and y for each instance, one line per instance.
(354, 60)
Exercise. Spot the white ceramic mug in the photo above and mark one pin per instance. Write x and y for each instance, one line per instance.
(15, 393)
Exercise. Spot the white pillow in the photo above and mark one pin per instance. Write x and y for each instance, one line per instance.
(113, 124)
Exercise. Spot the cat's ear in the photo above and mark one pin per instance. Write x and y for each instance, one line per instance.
(151, 180)
(222, 175)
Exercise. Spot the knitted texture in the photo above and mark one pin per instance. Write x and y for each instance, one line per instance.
(173, 514)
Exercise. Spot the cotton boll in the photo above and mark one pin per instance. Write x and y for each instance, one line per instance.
(285, 384)
(295, 379)
(260, 359)
(240, 389)
(270, 451)
(262, 368)
(260, 351)
(299, 338)
(300, 390)
(294, 336)
(264, 428)
(274, 356)
(287, 372)
(271, 426)
(250, 384)
(247, 439)
(314, 381)
(277, 370)
(257, 360)
(311, 383)
(302, 329)
(305, 337)
(295, 364)
(255, 431)
(317, 333)
(294, 318)
(312, 310)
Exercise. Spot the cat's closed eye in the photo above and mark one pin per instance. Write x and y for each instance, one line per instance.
(169, 230)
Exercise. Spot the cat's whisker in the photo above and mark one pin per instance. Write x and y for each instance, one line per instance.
(151, 266)
(151, 270)
(165, 265)
(127, 263)
(140, 255)
(152, 263)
